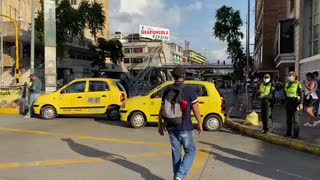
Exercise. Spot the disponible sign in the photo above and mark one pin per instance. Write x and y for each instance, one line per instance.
(154, 32)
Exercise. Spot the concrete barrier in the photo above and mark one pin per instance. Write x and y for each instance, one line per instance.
(295, 144)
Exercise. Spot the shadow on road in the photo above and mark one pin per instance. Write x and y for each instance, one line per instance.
(92, 152)
(268, 166)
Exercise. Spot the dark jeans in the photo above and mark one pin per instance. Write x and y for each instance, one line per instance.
(293, 121)
(266, 114)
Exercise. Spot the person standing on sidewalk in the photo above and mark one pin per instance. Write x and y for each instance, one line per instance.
(310, 98)
(35, 92)
(266, 95)
(294, 103)
(316, 106)
(180, 132)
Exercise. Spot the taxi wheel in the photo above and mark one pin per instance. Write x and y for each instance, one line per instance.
(137, 120)
(113, 114)
(212, 123)
(48, 112)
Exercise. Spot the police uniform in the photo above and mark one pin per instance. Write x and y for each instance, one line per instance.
(266, 102)
(293, 91)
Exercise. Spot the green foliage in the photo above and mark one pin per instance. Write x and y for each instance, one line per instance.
(227, 29)
(104, 49)
(71, 22)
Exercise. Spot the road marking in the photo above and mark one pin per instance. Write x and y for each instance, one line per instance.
(291, 174)
(79, 161)
(120, 141)
(199, 163)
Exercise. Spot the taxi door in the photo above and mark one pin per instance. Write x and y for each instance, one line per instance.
(72, 98)
(97, 97)
(155, 103)
(204, 101)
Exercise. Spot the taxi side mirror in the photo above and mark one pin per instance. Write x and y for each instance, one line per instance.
(154, 95)
(63, 91)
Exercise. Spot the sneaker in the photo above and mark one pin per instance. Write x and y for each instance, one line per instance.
(316, 123)
(26, 117)
(177, 178)
(308, 124)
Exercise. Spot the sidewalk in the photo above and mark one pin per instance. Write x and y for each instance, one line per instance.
(308, 135)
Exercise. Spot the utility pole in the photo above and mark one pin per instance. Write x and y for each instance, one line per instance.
(248, 55)
(1, 47)
(32, 38)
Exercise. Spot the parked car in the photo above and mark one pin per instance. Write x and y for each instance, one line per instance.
(140, 110)
(89, 96)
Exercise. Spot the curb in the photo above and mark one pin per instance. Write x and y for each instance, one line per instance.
(275, 139)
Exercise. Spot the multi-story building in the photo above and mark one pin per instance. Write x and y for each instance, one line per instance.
(195, 58)
(75, 62)
(306, 25)
(141, 52)
(268, 13)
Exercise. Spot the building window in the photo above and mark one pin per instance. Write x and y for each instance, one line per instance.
(137, 50)
(127, 50)
(73, 2)
(291, 5)
(126, 60)
(316, 27)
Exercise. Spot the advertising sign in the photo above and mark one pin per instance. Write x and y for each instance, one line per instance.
(10, 98)
(156, 33)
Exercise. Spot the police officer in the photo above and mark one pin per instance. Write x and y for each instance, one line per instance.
(266, 94)
(294, 103)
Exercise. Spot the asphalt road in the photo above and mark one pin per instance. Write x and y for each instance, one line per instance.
(87, 148)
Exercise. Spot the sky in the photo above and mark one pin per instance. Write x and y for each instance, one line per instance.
(190, 20)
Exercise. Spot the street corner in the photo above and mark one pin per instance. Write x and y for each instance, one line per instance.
(254, 132)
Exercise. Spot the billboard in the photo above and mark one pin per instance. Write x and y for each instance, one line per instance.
(152, 32)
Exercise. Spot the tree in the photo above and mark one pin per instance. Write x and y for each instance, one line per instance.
(227, 29)
(103, 49)
(71, 22)
(115, 49)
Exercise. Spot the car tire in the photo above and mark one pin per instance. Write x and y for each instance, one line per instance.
(113, 114)
(48, 112)
(137, 120)
(212, 123)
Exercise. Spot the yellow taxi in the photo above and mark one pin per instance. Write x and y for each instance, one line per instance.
(140, 110)
(89, 96)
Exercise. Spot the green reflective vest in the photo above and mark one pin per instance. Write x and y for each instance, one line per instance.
(265, 89)
(291, 89)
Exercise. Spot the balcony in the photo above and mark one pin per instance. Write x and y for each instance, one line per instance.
(8, 30)
(284, 44)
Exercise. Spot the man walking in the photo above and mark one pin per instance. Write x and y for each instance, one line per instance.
(266, 94)
(175, 117)
(35, 92)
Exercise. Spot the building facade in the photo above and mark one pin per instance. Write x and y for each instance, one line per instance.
(195, 58)
(74, 64)
(307, 35)
(268, 13)
(142, 52)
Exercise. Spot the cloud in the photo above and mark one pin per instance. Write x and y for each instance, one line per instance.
(198, 5)
(220, 54)
(128, 14)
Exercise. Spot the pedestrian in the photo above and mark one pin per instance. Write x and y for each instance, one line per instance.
(310, 98)
(316, 106)
(35, 92)
(177, 121)
(266, 95)
(294, 101)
